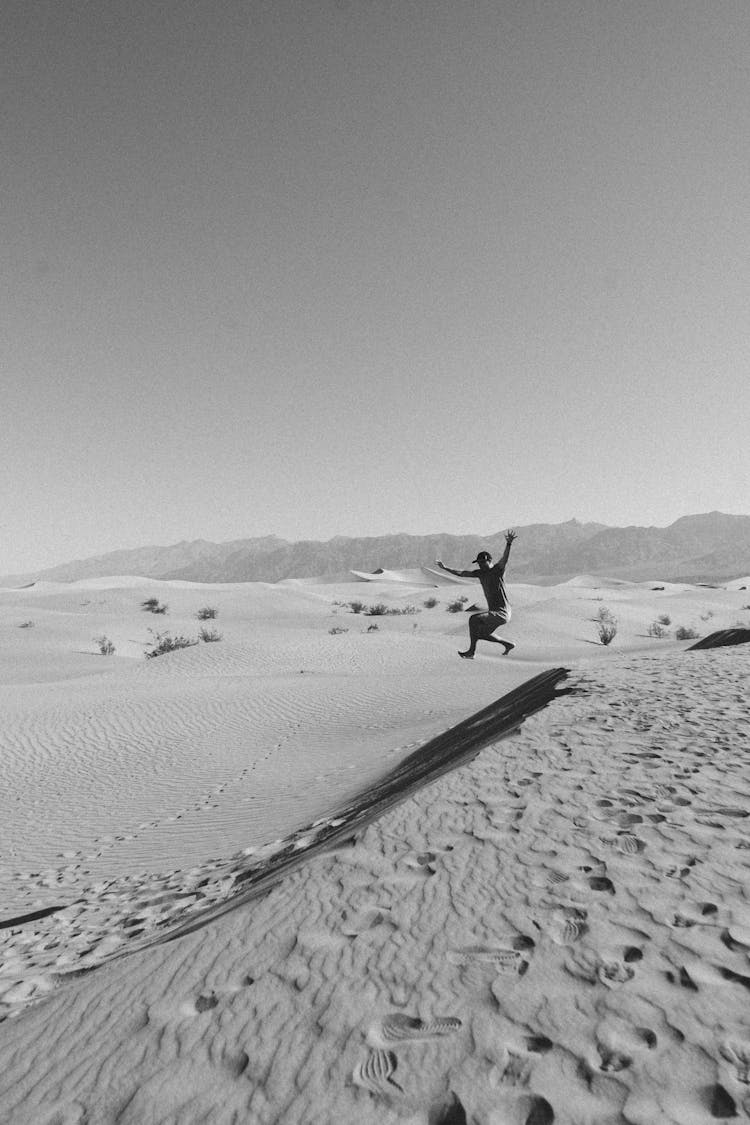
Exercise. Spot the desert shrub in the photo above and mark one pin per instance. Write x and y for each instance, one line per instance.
(337, 629)
(380, 609)
(746, 607)
(209, 635)
(164, 642)
(356, 606)
(457, 605)
(402, 611)
(372, 628)
(207, 613)
(604, 614)
(153, 605)
(656, 629)
(685, 633)
(106, 648)
(430, 603)
(26, 625)
(664, 619)
(607, 629)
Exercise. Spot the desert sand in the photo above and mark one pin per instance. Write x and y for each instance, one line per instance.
(557, 929)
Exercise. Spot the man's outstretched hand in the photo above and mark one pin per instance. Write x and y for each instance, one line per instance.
(510, 536)
(439, 562)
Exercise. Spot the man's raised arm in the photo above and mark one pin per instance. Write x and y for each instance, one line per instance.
(509, 537)
(458, 573)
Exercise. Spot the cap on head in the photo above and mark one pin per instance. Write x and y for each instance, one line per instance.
(483, 555)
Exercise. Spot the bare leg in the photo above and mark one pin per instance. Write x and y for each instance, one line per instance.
(509, 645)
(477, 632)
(474, 627)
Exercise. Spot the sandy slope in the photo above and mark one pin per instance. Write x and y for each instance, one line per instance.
(559, 930)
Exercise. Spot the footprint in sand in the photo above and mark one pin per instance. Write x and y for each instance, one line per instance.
(356, 924)
(421, 862)
(568, 925)
(513, 1069)
(737, 1053)
(628, 844)
(528, 1109)
(618, 1042)
(397, 1027)
(375, 1072)
(499, 959)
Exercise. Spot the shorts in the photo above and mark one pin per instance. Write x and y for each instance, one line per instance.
(492, 620)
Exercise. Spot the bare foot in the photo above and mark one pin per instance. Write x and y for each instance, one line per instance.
(467, 655)
(509, 646)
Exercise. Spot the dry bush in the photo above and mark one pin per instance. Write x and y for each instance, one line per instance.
(356, 606)
(106, 648)
(337, 629)
(209, 635)
(457, 605)
(686, 633)
(656, 629)
(430, 603)
(153, 605)
(607, 630)
(164, 642)
(208, 613)
(664, 619)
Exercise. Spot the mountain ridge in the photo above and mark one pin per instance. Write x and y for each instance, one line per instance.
(700, 547)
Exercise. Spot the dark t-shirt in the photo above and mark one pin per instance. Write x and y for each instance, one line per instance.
(493, 584)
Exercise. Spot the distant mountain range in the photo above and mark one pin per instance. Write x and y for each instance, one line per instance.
(701, 548)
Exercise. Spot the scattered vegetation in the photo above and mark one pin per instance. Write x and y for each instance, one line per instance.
(430, 603)
(664, 619)
(607, 629)
(207, 613)
(106, 648)
(457, 605)
(656, 629)
(372, 628)
(209, 635)
(165, 642)
(337, 629)
(26, 625)
(380, 609)
(604, 614)
(153, 605)
(684, 633)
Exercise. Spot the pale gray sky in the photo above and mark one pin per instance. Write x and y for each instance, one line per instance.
(307, 267)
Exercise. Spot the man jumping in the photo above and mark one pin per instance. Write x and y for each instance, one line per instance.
(483, 625)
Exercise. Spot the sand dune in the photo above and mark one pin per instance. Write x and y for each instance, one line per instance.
(556, 930)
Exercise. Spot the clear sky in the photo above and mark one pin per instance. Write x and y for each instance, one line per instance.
(320, 267)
